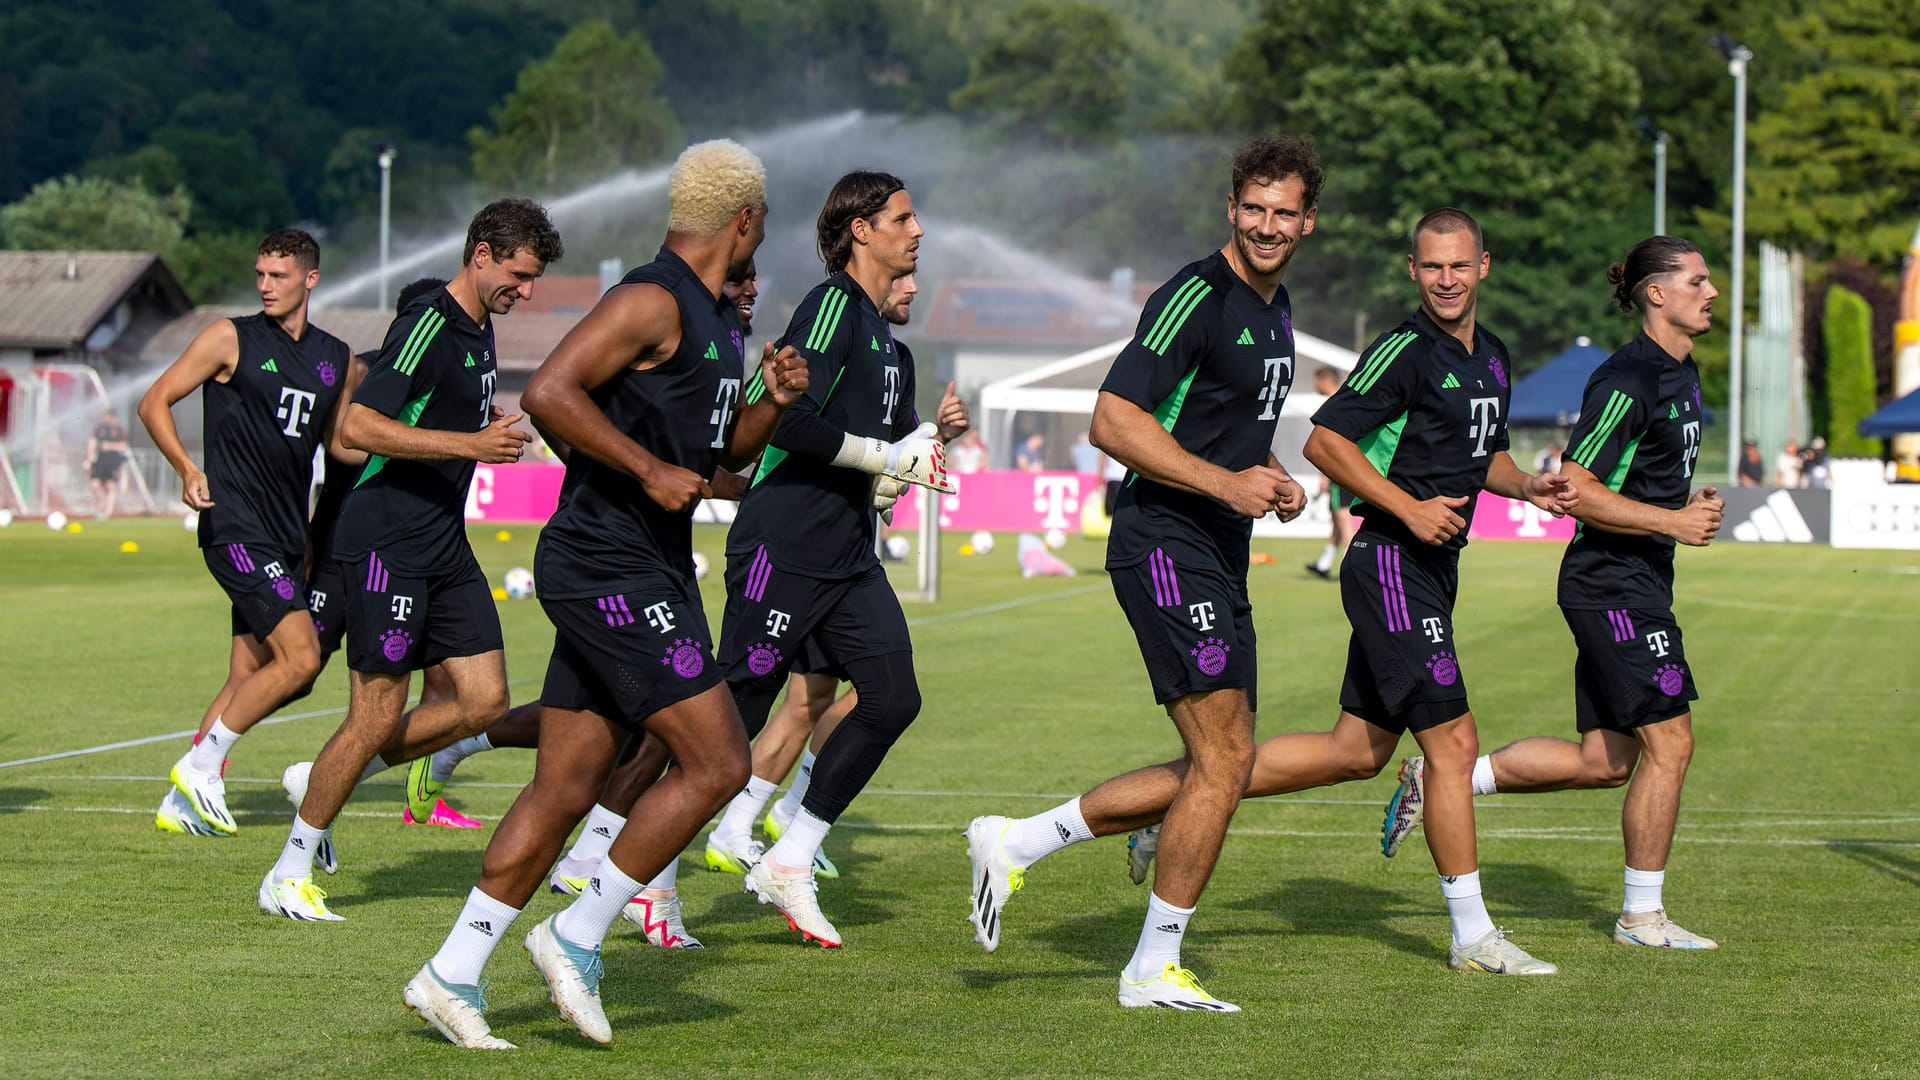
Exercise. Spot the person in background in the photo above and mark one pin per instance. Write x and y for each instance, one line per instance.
(1814, 472)
(1086, 456)
(969, 453)
(1752, 473)
(1548, 460)
(106, 455)
(1032, 455)
(1786, 466)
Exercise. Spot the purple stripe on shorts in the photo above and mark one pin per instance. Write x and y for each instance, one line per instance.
(620, 601)
(1622, 625)
(376, 573)
(757, 574)
(1400, 592)
(1159, 579)
(241, 560)
(1167, 583)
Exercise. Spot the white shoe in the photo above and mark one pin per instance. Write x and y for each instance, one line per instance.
(458, 1012)
(573, 980)
(571, 876)
(293, 781)
(1174, 988)
(176, 815)
(995, 878)
(1407, 807)
(205, 792)
(1495, 955)
(659, 918)
(730, 859)
(295, 898)
(1142, 846)
(794, 894)
(1651, 928)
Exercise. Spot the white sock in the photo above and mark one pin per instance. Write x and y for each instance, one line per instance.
(736, 825)
(789, 803)
(296, 858)
(374, 768)
(482, 923)
(585, 922)
(213, 747)
(1466, 908)
(801, 842)
(667, 880)
(596, 836)
(448, 758)
(1483, 775)
(1643, 890)
(1325, 562)
(1160, 938)
(1035, 838)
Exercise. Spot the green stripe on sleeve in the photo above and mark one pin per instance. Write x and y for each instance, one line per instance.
(826, 320)
(1610, 417)
(756, 386)
(1168, 411)
(410, 416)
(423, 334)
(1173, 304)
(772, 456)
(1178, 318)
(1367, 375)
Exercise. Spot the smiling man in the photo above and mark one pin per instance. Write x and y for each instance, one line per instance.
(1190, 409)
(416, 596)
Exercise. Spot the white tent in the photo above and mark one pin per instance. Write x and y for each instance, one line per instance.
(1071, 385)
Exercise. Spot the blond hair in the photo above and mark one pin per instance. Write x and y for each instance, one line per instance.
(710, 183)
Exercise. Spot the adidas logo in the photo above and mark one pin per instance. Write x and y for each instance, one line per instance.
(1450, 383)
(469, 362)
(1066, 834)
(483, 926)
(876, 344)
(299, 843)
(1673, 412)
(1245, 338)
(713, 351)
(602, 830)
(270, 366)
(1170, 928)
(594, 884)
(1776, 521)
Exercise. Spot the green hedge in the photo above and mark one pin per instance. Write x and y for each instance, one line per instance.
(1848, 330)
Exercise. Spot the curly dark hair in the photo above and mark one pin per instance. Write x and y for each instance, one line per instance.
(510, 226)
(1272, 158)
(862, 193)
(295, 244)
(1649, 259)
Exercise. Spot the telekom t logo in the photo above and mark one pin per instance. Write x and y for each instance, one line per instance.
(1055, 497)
(1270, 392)
(777, 621)
(892, 395)
(1657, 643)
(723, 400)
(296, 408)
(659, 616)
(1486, 416)
(1436, 630)
(1201, 614)
(402, 606)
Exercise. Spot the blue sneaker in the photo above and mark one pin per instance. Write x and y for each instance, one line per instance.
(458, 1012)
(573, 979)
(1404, 810)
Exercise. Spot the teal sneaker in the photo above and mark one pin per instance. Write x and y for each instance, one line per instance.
(458, 1012)
(573, 979)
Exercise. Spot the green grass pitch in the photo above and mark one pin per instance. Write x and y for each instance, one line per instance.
(133, 953)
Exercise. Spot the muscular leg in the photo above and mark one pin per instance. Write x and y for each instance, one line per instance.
(1450, 749)
(577, 752)
(1217, 730)
(374, 703)
(710, 762)
(293, 662)
(479, 702)
(640, 767)
(1601, 759)
(519, 730)
(830, 719)
(1653, 802)
(785, 736)
(247, 657)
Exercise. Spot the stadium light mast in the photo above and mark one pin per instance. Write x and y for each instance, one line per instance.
(387, 152)
(1737, 57)
(1658, 137)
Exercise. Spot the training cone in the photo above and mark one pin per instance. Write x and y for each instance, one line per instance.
(503, 536)
(499, 593)
(74, 527)
(128, 547)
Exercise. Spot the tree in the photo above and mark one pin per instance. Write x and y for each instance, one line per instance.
(588, 109)
(1514, 110)
(72, 213)
(1056, 67)
(1839, 161)
(1848, 327)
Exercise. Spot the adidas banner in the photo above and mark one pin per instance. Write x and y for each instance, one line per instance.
(1877, 516)
(1775, 515)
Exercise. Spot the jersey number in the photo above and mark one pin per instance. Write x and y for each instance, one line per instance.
(1486, 417)
(1691, 452)
(723, 411)
(892, 397)
(1275, 367)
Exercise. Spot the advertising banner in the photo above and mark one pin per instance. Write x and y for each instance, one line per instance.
(1877, 516)
(1775, 515)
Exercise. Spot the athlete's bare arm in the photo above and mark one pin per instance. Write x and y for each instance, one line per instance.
(1551, 492)
(1131, 436)
(356, 373)
(1431, 520)
(211, 357)
(785, 376)
(1601, 507)
(634, 326)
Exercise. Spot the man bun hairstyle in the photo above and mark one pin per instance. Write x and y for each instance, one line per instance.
(710, 183)
(1272, 158)
(862, 193)
(1650, 258)
(295, 244)
(1449, 219)
(512, 225)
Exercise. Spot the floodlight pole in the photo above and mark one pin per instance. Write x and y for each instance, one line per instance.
(387, 153)
(1737, 57)
(1659, 183)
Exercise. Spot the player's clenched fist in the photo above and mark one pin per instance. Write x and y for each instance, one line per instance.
(1255, 492)
(1433, 521)
(784, 373)
(500, 442)
(1696, 523)
(674, 488)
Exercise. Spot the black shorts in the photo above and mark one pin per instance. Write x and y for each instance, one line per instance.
(811, 662)
(1193, 621)
(1631, 669)
(400, 621)
(773, 616)
(1402, 672)
(264, 584)
(628, 655)
(1339, 498)
(106, 465)
(327, 599)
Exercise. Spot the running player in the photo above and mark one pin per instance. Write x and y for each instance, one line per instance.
(270, 383)
(1326, 380)
(1417, 431)
(1633, 455)
(1190, 408)
(415, 593)
(107, 451)
(800, 556)
(646, 393)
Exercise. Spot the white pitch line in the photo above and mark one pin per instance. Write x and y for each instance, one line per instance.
(1788, 609)
(189, 733)
(955, 827)
(1772, 817)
